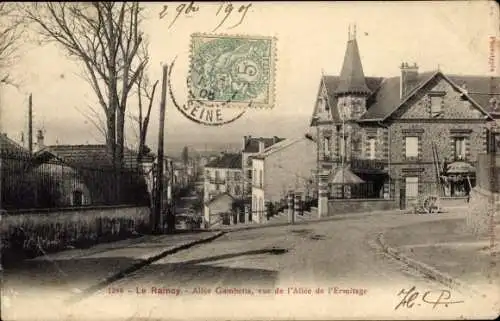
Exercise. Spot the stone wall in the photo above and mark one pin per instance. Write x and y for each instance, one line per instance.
(30, 233)
(483, 211)
(488, 178)
(342, 206)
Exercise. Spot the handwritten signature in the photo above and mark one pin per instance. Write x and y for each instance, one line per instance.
(225, 9)
(435, 298)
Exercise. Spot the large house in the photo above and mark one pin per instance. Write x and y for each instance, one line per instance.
(286, 166)
(401, 132)
(223, 175)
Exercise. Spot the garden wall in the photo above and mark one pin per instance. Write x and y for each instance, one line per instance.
(30, 233)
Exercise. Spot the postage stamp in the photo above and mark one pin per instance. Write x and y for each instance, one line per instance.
(236, 70)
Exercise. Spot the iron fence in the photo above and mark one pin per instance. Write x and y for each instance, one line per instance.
(457, 188)
(365, 190)
(29, 184)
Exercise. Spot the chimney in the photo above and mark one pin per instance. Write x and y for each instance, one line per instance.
(261, 145)
(39, 140)
(244, 142)
(408, 80)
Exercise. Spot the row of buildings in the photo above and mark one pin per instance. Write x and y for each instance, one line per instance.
(375, 137)
(265, 170)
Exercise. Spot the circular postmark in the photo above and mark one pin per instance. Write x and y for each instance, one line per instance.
(206, 113)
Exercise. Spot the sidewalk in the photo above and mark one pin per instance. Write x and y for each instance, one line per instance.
(77, 271)
(448, 247)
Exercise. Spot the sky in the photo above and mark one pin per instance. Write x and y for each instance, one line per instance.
(311, 40)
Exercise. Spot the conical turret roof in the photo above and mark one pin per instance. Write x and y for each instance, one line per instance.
(352, 78)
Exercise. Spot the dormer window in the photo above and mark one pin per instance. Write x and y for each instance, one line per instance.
(323, 106)
(436, 101)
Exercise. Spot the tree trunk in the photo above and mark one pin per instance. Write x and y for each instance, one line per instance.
(120, 139)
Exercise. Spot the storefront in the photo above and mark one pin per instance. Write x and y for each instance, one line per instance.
(458, 179)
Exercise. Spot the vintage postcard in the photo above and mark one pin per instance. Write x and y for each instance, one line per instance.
(250, 160)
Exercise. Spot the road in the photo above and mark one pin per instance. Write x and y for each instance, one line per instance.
(238, 275)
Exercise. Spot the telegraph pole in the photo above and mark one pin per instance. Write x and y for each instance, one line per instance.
(30, 124)
(161, 142)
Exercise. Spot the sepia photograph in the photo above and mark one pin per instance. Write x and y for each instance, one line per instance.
(291, 160)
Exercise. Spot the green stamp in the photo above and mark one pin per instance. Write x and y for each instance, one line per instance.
(237, 71)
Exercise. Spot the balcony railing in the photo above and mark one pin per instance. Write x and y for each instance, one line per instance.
(212, 180)
(358, 163)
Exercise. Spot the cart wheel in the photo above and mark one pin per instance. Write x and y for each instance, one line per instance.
(430, 204)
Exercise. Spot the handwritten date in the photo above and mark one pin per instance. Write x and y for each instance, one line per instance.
(434, 298)
(225, 10)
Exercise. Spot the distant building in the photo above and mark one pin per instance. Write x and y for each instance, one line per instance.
(218, 210)
(287, 165)
(223, 175)
(253, 146)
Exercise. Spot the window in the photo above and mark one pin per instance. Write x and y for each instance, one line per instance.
(411, 186)
(436, 105)
(342, 146)
(323, 106)
(459, 148)
(237, 176)
(411, 147)
(237, 190)
(217, 175)
(326, 146)
(261, 178)
(372, 143)
(254, 177)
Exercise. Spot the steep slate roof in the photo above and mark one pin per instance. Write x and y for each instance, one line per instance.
(252, 144)
(388, 101)
(228, 160)
(88, 156)
(386, 92)
(477, 86)
(331, 85)
(387, 97)
(280, 146)
(9, 146)
(383, 94)
(352, 78)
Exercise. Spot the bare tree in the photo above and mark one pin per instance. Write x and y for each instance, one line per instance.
(106, 38)
(10, 36)
(147, 91)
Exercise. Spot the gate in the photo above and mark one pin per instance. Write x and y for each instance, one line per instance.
(402, 198)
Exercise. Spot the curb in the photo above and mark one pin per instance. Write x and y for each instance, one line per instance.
(137, 266)
(427, 270)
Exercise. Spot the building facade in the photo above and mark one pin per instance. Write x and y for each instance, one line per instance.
(253, 146)
(402, 132)
(223, 175)
(288, 165)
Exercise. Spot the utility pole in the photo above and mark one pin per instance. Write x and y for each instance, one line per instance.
(161, 138)
(30, 124)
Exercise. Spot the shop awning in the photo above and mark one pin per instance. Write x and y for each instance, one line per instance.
(345, 176)
(460, 168)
